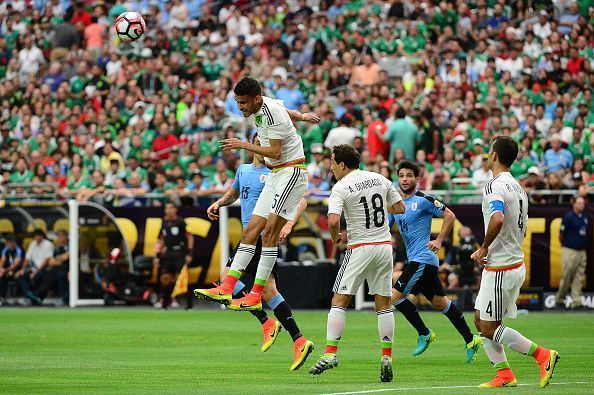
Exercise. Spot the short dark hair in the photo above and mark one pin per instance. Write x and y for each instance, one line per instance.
(407, 164)
(346, 154)
(248, 86)
(400, 113)
(506, 149)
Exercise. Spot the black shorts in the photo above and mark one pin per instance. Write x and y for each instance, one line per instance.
(420, 278)
(172, 261)
(252, 267)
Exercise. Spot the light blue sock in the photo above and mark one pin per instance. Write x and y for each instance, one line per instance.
(239, 286)
(274, 302)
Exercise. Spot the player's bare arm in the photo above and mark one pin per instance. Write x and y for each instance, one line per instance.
(297, 116)
(495, 225)
(286, 230)
(397, 208)
(272, 152)
(448, 223)
(228, 198)
(334, 226)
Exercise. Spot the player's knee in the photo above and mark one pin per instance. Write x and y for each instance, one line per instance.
(249, 236)
(440, 302)
(487, 331)
(269, 237)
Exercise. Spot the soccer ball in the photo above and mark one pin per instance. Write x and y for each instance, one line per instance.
(130, 26)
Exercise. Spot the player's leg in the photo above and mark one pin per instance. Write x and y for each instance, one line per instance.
(244, 254)
(506, 291)
(253, 300)
(288, 186)
(334, 330)
(348, 280)
(486, 322)
(408, 283)
(302, 346)
(379, 278)
(496, 354)
(433, 291)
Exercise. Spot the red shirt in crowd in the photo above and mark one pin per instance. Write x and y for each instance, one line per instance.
(81, 16)
(162, 143)
(374, 143)
(574, 66)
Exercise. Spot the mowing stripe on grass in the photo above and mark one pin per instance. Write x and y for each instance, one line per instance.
(440, 388)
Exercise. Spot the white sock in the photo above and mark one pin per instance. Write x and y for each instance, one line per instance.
(494, 351)
(513, 339)
(336, 321)
(385, 327)
(267, 261)
(243, 256)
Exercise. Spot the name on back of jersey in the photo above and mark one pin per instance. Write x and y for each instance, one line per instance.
(514, 188)
(361, 186)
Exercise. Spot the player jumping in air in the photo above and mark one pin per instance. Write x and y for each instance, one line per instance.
(505, 212)
(248, 184)
(278, 203)
(365, 198)
(420, 275)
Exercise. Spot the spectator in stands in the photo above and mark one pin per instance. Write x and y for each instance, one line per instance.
(30, 276)
(55, 276)
(482, 175)
(557, 158)
(449, 69)
(343, 134)
(11, 262)
(30, 60)
(164, 142)
(573, 236)
(402, 134)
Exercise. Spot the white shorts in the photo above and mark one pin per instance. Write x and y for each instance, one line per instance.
(498, 293)
(282, 192)
(370, 262)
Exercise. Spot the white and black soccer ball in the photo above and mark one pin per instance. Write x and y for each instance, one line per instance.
(130, 26)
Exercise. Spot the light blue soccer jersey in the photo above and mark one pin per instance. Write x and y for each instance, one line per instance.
(249, 181)
(415, 226)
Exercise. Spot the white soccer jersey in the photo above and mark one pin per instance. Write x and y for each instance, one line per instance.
(273, 122)
(364, 197)
(506, 249)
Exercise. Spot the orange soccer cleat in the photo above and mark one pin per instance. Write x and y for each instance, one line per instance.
(301, 350)
(504, 378)
(249, 302)
(271, 329)
(547, 367)
(221, 293)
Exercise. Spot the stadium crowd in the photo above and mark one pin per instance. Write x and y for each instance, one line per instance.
(425, 80)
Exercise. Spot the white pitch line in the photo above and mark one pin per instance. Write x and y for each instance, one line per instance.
(438, 388)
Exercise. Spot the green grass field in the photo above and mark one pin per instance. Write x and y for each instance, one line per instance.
(217, 352)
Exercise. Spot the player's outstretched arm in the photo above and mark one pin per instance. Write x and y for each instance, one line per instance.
(286, 230)
(448, 223)
(272, 152)
(228, 198)
(495, 225)
(297, 116)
